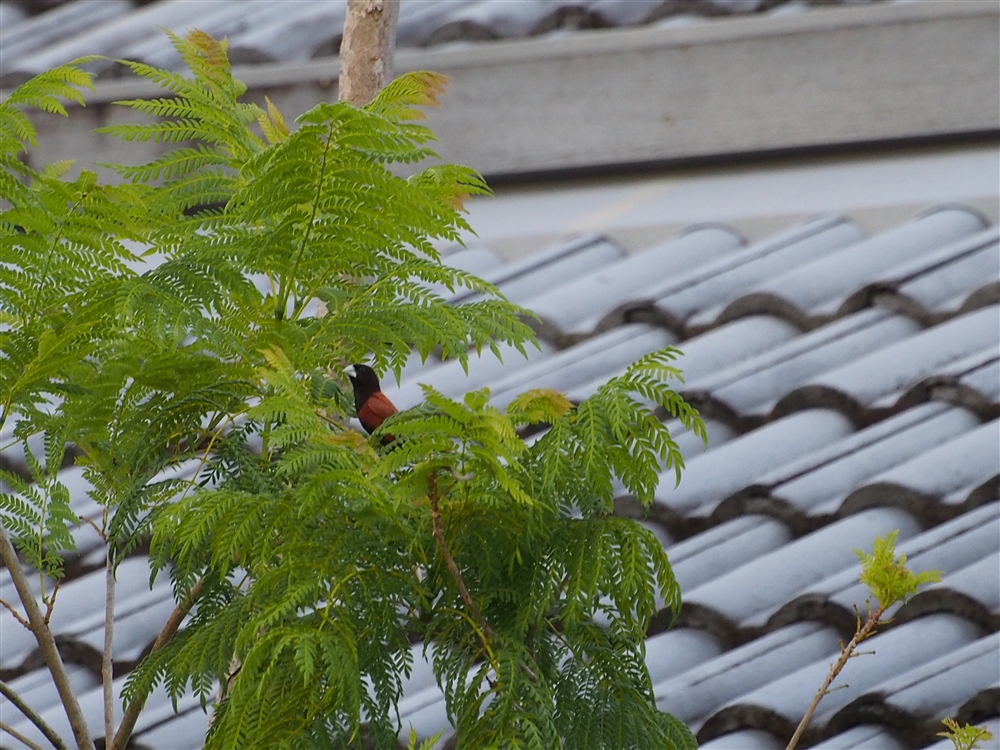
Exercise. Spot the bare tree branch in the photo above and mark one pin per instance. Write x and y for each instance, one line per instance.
(94, 526)
(845, 654)
(51, 601)
(438, 532)
(7, 692)
(107, 673)
(19, 737)
(17, 615)
(47, 644)
(169, 631)
(367, 48)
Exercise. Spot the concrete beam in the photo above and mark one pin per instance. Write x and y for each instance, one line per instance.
(828, 77)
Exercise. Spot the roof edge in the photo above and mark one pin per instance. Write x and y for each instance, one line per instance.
(326, 71)
(712, 90)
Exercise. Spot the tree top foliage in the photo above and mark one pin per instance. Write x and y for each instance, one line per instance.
(202, 394)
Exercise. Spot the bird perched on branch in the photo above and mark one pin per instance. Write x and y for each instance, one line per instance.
(373, 406)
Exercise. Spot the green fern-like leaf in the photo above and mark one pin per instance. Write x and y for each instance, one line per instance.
(185, 331)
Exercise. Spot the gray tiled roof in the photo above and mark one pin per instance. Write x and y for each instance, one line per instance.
(850, 384)
(298, 30)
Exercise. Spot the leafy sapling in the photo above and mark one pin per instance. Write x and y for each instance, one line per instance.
(889, 582)
(964, 737)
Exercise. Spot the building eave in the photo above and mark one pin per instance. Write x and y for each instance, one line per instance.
(822, 79)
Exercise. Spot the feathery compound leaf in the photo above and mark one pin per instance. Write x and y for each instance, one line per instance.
(204, 396)
(678, 733)
(272, 123)
(538, 405)
(887, 576)
(397, 101)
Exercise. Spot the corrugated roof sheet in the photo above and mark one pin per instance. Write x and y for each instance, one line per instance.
(851, 386)
(299, 30)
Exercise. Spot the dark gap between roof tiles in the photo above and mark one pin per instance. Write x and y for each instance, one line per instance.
(696, 693)
(980, 373)
(757, 385)
(950, 547)
(107, 38)
(937, 285)
(711, 285)
(540, 272)
(225, 18)
(927, 511)
(599, 358)
(872, 386)
(813, 293)
(979, 582)
(82, 610)
(56, 25)
(897, 658)
(932, 688)
(719, 348)
(301, 31)
(827, 476)
(565, 308)
(839, 619)
(712, 477)
(749, 739)
(288, 31)
(794, 471)
(777, 705)
(790, 569)
(868, 736)
(969, 458)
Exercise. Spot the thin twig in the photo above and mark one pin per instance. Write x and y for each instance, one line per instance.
(19, 737)
(107, 671)
(450, 561)
(46, 643)
(34, 718)
(169, 631)
(94, 526)
(17, 615)
(845, 654)
(51, 601)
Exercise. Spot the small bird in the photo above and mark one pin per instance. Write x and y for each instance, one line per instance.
(373, 406)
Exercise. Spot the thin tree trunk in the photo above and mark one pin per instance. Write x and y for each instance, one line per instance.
(107, 669)
(169, 631)
(47, 644)
(367, 48)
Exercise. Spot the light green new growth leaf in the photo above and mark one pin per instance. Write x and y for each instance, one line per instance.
(397, 102)
(887, 577)
(427, 744)
(272, 123)
(964, 737)
(537, 406)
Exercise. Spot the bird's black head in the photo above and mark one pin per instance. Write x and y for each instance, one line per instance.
(365, 383)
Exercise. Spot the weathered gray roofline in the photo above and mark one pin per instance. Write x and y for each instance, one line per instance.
(823, 78)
